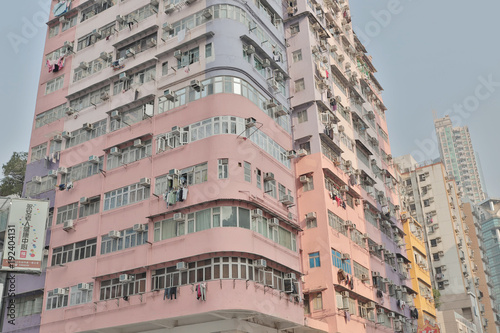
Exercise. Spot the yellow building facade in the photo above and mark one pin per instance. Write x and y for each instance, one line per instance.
(419, 271)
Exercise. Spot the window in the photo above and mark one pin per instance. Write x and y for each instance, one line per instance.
(247, 171)
(28, 305)
(434, 242)
(223, 171)
(77, 296)
(189, 57)
(164, 68)
(311, 223)
(129, 155)
(53, 30)
(427, 203)
(309, 185)
(128, 239)
(302, 116)
(72, 252)
(360, 270)
(68, 212)
(50, 116)
(435, 256)
(270, 187)
(93, 67)
(55, 147)
(314, 260)
(91, 99)
(259, 178)
(132, 116)
(294, 29)
(193, 175)
(317, 301)
(38, 152)
(111, 289)
(56, 301)
(299, 85)
(138, 15)
(125, 196)
(70, 23)
(208, 50)
(340, 263)
(54, 84)
(307, 308)
(90, 208)
(81, 171)
(82, 135)
(137, 47)
(47, 184)
(297, 55)
(136, 79)
(337, 223)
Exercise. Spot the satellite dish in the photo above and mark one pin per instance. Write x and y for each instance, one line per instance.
(61, 8)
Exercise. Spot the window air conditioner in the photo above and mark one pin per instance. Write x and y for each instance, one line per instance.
(249, 49)
(62, 170)
(250, 122)
(346, 256)
(115, 151)
(304, 179)
(167, 27)
(274, 222)
(96, 34)
(292, 276)
(280, 111)
(171, 96)
(130, 53)
(375, 274)
(169, 8)
(287, 200)
(196, 85)
(391, 315)
(63, 20)
(104, 56)
(179, 217)
(52, 173)
(126, 278)
(114, 234)
(151, 42)
(146, 182)
(59, 291)
(207, 13)
(268, 176)
(279, 77)
(115, 115)
(380, 311)
(83, 65)
(301, 152)
(139, 227)
(138, 143)
(66, 135)
(266, 63)
(181, 266)
(291, 154)
(344, 188)
(311, 216)
(94, 159)
(260, 263)
(84, 200)
(36, 179)
(123, 77)
(83, 286)
(68, 225)
(104, 95)
(88, 126)
(257, 212)
(178, 54)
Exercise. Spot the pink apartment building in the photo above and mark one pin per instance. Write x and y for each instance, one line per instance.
(206, 176)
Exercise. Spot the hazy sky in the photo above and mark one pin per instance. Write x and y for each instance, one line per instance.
(431, 55)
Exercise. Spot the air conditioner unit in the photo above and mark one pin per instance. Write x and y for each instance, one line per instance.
(311, 216)
(139, 227)
(62, 170)
(96, 34)
(257, 212)
(68, 225)
(138, 143)
(83, 65)
(181, 266)
(348, 164)
(364, 277)
(279, 77)
(348, 224)
(391, 315)
(84, 200)
(280, 111)
(52, 173)
(345, 294)
(57, 138)
(341, 128)
(266, 63)
(151, 42)
(169, 8)
(104, 96)
(115, 151)
(167, 27)
(126, 278)
(178, 54)
(179, 217)
(268, 176)
(130, 53)
(70, 111)
(380, 311)
(292, 276)
(346, 256)
(291, 154)
(146, 182)
(325, 117)
(287, 200)
(375, 274)
(59, 291)
(370, 305)
(83, 286)
(344, 188)
(304, 179)
(171, 96)
(274, 84)
(94, 159)
(63, 20)
(67, 135)
(114, 234)
(250, 122)
(123, 77)
(249, 49)
(401, 260)
(115, 115)
(301, 152)
(196, 85)
(207, 13)
(36, 179)
(275, 222)
(88, 126)
(260, 263)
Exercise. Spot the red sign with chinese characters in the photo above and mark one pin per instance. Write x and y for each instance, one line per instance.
(428, 329)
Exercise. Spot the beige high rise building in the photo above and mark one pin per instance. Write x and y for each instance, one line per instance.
(459, 158)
